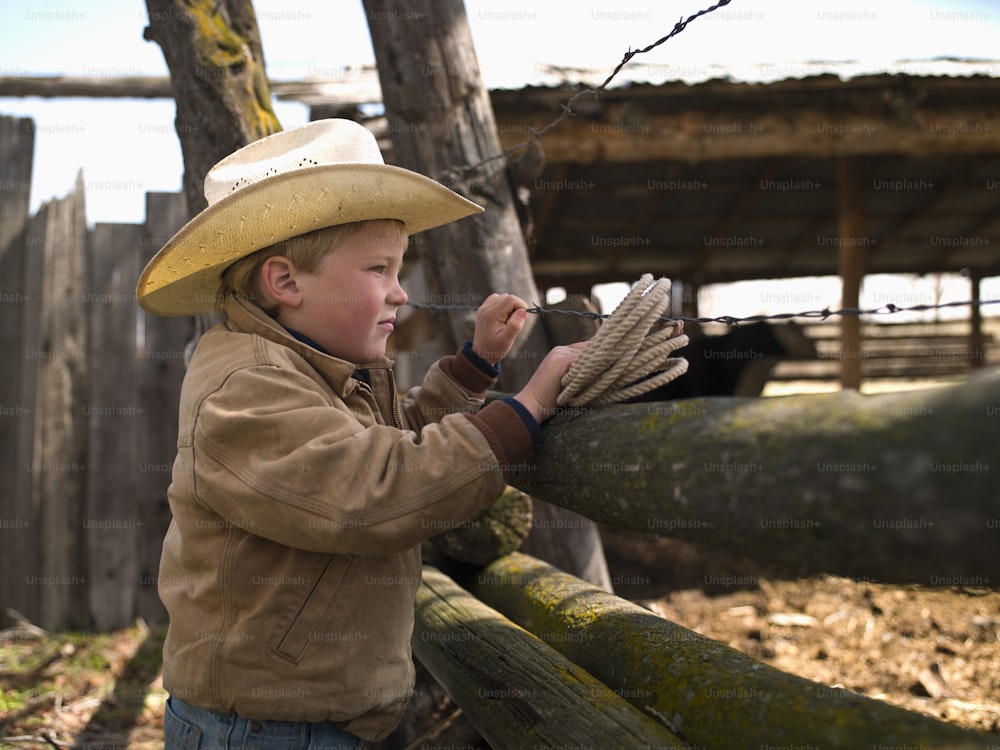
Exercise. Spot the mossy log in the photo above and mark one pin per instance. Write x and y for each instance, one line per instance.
(893, 488)
(712, 695)
(495, 533)
(516, 690)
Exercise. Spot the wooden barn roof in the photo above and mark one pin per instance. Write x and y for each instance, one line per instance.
(725, 181)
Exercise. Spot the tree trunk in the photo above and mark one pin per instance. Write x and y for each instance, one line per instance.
(216, 64)
(713, 696)
(441, 120)
(889, 488)
(223, 99)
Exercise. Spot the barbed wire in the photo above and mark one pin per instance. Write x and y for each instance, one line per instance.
(457, 174)
(731, 320)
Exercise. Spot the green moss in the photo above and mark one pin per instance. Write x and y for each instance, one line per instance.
(218, 45)
(717, 696)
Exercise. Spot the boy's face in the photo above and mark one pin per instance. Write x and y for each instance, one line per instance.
(349, 305)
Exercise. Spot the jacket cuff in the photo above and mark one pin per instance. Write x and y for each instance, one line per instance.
(534, 428)
(464, 371)
(506, 432)
(484, 366)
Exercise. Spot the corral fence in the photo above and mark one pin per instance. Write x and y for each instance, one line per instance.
(538, 658)
(88, 404)
(88, 409)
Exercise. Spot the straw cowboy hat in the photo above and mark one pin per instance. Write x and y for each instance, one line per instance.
(325, 173)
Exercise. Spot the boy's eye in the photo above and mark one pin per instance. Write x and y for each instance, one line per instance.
(377, 269)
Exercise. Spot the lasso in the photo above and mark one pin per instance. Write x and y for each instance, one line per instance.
(625, 359)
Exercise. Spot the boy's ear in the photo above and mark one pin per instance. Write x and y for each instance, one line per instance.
(279, 281)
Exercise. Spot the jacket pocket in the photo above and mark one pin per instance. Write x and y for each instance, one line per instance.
(314, 610)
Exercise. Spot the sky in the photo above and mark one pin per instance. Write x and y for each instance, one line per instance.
(128, 147)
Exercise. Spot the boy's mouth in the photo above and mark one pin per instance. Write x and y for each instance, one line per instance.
(389, 324)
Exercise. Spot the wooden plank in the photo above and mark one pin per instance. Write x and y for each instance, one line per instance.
(113, 526)
(818, 116)
(893, 487)
(713, 695)
(19, 295)
(851, 263)
(517, 690)
(17, 145)
(711, 131)
(18, 522)
(160, 372)
(976, 352)
(60, 456)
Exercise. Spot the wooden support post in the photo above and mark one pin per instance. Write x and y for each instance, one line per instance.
(850, 210)
(517, 690)
(684, 298)
(441, 119)
(712, 695)
(977, 348)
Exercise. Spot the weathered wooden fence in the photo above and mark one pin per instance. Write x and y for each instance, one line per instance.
(88, 404)
(538, 658)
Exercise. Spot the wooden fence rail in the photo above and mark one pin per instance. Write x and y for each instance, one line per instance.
(708, 693)
(891, 488)
(517, 690)
(896, 487)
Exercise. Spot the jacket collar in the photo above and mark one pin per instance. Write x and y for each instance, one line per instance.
(246, 317)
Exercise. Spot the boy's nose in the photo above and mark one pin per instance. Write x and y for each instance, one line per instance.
(397, 296)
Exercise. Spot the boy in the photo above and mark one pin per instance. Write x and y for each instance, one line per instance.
(303, 486)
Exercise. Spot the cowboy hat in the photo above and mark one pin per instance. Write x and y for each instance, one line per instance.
(325, 173)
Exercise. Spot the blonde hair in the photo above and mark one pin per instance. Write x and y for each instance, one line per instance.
(242, 280)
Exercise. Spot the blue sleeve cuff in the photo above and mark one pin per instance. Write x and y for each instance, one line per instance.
(481, 364)
(529, 421)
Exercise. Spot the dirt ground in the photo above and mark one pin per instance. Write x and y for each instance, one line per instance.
(936, 651)
(81, 690)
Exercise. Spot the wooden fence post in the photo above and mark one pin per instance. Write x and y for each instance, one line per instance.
(161, 370)
(112, 524)
(18, 295)
(59, 463)
(17, 146)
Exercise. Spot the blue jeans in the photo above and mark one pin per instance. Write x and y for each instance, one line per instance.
(187, 727)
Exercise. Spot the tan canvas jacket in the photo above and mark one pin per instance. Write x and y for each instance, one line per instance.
(299, 496)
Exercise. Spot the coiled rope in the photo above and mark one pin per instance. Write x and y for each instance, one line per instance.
(625, 359)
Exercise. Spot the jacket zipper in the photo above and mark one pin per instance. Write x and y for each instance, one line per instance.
(393, 399)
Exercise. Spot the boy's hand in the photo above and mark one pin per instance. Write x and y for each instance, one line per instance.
(540, 393)
(498, 321)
